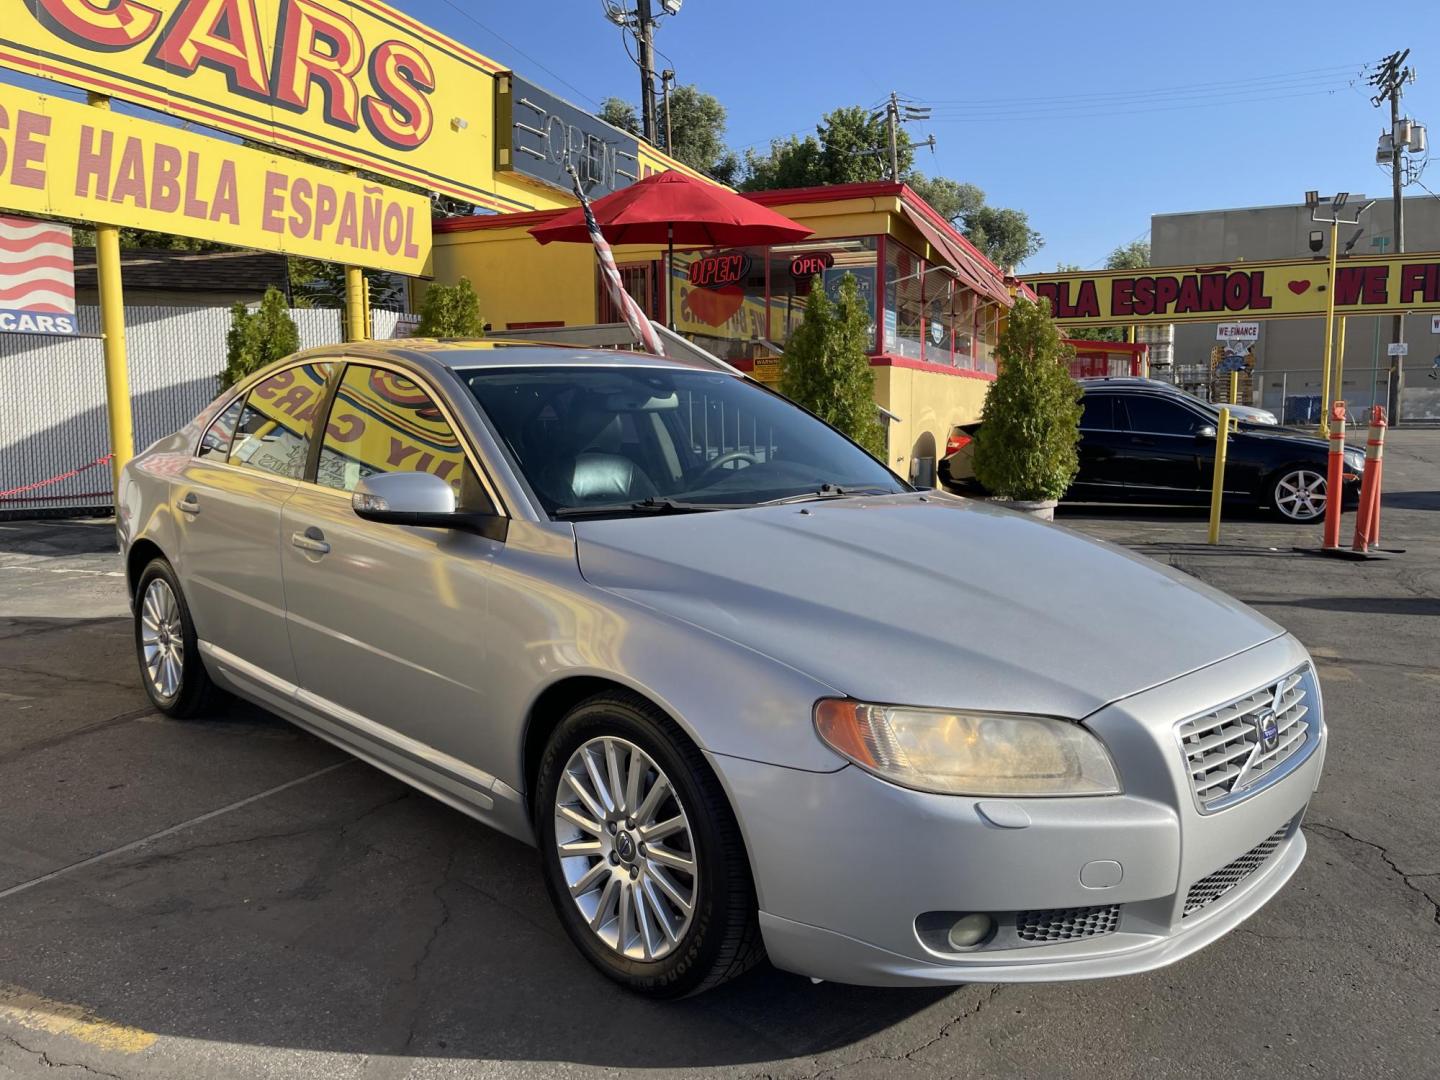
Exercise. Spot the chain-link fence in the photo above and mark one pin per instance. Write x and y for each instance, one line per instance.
(1294, 394)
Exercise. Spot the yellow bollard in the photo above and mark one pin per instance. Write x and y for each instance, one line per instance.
(354, 304)
(1339, 394)
(1234, 388)
(112, 329)
(1217, 485)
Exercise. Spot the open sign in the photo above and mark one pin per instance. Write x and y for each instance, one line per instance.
(810, 263)
(720, 271)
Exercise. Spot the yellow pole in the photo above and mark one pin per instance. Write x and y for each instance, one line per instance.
(1329, 332)
(1217, 485)
(1234, 388)
(1339, 394)
(354, 304)
(112, 330)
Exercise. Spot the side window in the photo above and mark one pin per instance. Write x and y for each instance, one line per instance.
(383, 422)
(273, 432)
(1098, 413)
(215, 443)
(1159, 416)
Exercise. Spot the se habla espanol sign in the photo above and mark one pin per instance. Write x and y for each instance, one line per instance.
(1372, 285)
(59, 158)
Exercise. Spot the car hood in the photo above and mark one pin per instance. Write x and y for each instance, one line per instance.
(1288, 436)
(932, 601)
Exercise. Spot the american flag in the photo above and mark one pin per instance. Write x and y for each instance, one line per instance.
(635, 318)
(37, 275)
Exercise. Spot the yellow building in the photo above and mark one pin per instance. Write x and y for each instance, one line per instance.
(938, 303)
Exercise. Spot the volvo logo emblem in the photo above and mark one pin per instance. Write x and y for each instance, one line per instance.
(625, 847)
(1267, 729)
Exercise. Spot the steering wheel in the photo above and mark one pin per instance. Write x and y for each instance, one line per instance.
(725, 459)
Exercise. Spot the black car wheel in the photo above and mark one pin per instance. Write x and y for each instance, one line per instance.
(641, 854)
(1298, 494)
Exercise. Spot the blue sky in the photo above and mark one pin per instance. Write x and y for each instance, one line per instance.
(1089, 117)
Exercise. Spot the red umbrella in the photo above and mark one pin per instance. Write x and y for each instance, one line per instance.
(674, 207)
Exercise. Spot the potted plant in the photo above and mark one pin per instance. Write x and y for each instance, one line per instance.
(1025, 450)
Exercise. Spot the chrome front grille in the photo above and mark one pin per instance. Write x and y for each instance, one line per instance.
(1233, 751)
(1212, 887)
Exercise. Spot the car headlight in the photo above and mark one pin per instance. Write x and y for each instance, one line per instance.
(960, 752)
(1355, 460)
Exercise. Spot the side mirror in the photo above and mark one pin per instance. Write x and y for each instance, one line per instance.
(420, 499)
(1206, 432)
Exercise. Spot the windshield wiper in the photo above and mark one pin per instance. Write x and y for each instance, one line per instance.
(645, 506)
(828, 491)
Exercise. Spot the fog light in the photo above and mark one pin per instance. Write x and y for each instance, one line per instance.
(970, 930)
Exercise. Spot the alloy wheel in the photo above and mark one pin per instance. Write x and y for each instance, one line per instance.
(162, 638)
(626, 849)
(1300, 495)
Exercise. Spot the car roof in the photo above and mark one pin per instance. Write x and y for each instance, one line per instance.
(1128, 382)
(497, 352)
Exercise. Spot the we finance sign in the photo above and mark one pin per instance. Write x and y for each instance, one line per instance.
(59, 158)
(353, 81)
(1375, 285)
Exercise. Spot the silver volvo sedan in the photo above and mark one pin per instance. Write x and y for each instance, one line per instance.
(746, 691)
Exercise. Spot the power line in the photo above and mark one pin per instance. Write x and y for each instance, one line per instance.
(1012, 117)
(521, 52)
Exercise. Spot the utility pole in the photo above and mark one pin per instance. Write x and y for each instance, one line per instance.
(644, 33)
(1389, 81)
(892, 115)
(667, 80)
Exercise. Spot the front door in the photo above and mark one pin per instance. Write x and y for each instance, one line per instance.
(1166, 452)
(228, 500)
(386, 621)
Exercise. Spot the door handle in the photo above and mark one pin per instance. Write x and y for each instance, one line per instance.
(312, 539)
(189, 504)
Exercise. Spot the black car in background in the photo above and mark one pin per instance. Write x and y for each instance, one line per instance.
(1142, 441)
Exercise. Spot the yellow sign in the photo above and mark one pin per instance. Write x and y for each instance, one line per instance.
(353, 81)
(62, 159)
(1299, 288)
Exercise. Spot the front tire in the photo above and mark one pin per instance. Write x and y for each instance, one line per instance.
(1298, 494)
(170, 666)
(641, 853)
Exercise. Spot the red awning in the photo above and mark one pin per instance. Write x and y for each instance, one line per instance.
(967, 267)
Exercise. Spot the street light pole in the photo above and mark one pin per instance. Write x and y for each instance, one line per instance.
(1337, 201)
(1389, 81)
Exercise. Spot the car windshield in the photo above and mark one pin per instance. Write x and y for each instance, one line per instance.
(618, 440)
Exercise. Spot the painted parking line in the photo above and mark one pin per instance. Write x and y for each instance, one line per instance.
(171, 830)
(64, 570)
(39, 1013)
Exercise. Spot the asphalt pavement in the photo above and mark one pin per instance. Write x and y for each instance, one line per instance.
(233, 898)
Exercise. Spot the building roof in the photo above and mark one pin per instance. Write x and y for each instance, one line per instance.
(779, 197)
(189, 271)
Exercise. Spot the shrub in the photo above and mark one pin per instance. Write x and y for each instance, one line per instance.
(450, 311)
(258, 337)
(825, 367)
(1026, 446)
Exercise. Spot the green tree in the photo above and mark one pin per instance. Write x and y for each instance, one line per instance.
(617, 112)
(258, 337)
(450, 311)
(825, 367)
(951, 199)
(1005, 236)
(1026, 446)
(850, 145)
(317, 284)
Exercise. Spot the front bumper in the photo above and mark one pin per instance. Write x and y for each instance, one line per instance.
(845, 863)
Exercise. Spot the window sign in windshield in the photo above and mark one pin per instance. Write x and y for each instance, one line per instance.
(638, 440)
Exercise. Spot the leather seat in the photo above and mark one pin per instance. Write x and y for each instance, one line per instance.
(599, 472)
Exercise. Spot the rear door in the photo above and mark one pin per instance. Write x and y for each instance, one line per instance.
(228, 500)
(1102, 444)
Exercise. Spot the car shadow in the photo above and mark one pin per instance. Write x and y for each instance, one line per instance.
(339, 912)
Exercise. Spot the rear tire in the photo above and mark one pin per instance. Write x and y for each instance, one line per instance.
(170, 665)
(632, 909)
